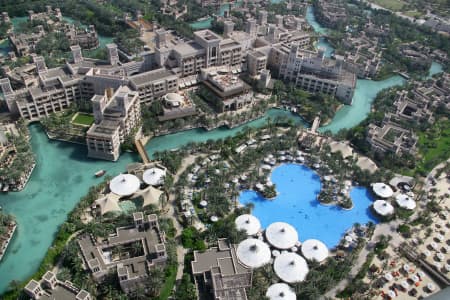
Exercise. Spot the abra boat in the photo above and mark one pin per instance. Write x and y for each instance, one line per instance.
(100, 173)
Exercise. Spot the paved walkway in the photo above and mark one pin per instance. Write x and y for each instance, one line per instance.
(381, 229)
(171, 213)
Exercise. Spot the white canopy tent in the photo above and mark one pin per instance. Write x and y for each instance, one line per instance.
(154, 176)
(405, 201)
(249, 223)
(108, 203)
(382, 190)
(291, 267)
(124, 184)
(281, 235)
(151, 195)
(280, 291)
(314, 250)
(383, 208)
(253, 253)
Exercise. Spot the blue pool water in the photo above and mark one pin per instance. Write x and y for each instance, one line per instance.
(296, 204)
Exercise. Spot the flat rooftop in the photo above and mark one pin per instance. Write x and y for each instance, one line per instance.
(225, 260)
(188, 49)
(150, 76)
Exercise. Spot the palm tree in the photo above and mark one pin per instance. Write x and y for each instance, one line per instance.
(155, 281)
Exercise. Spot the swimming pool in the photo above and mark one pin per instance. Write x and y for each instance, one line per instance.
(296, 204)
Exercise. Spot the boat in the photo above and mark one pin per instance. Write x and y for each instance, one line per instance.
(100, 173)
(5, 188)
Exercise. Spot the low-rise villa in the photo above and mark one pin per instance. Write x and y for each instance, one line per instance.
(218, 272)
(132, 252)
(50, 288)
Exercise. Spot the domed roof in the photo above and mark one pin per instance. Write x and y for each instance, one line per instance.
(173, 97)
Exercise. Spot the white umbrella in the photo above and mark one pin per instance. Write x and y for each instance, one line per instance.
(281, 235)
(427, 253)
(266, 167)
(415, 279)
(440, 237)
(249, 223)
(430, 286)
(154, 176)
(214, 219)
(440, 256)
(382, 190)
(280, 291)
(405, 201)
(447, 267)
(383, 208)
(348, 238)
(406, 267)
(421, 274)
(314, 250)
(437, 265)
(124, 184)
(433, 245)
(291, 267)
(392, 294)
(253, 253)
(388, 276)
(203, 203)
(404, 284)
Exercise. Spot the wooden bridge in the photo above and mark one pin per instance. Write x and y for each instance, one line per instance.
(141, 150)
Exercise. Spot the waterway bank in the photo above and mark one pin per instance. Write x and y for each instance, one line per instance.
(63, 175)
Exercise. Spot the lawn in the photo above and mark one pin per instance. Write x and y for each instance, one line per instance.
(434, 145)
(83, 119)
(395, 5)
(169, 283)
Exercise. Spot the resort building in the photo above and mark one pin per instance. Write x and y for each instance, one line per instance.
(392, 138)
(219, 274)
(24, 43)
(117, 117)
(154, 84)
(206, 50)
(226, 91)
(331, 13)
(132, 252)
(313, 72)
(177, 105)
(50, 288)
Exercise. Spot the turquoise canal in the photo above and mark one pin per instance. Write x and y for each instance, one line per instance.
(296, 203)
(62, 176)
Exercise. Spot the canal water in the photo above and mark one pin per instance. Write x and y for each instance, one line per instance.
(63, 175)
